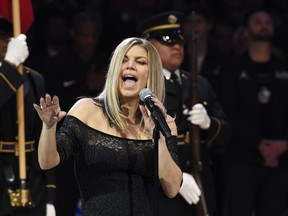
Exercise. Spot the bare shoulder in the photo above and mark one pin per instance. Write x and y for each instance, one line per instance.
(90, 113)
(83, 103)
(84, 108)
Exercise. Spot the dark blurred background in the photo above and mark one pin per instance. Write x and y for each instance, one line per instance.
(64, 49)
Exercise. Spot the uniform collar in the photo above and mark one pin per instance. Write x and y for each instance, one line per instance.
(167, 74)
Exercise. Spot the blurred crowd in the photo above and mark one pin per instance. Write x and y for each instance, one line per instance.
(71, 41)
(50, 31)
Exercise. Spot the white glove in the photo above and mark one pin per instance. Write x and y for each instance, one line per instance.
(50, 210)
(189, 189)
(198, 116)
(17, 50)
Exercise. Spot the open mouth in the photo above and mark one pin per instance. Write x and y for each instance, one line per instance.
(129, 78)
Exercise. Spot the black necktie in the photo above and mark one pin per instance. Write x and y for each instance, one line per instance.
(177, 89)
(174, 77)
(177, 85)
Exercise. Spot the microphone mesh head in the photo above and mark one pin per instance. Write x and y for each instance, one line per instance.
(145, 93)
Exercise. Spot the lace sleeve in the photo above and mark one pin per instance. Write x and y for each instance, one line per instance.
(66, 138)
(171, 145)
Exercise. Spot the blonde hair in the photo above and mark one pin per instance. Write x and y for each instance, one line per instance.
(110, 93)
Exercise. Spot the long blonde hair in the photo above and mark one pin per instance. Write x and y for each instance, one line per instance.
(110, 93)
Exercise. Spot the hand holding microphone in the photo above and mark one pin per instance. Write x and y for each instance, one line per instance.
(157, 116)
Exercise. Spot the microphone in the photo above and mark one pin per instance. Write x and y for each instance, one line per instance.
(157, 116)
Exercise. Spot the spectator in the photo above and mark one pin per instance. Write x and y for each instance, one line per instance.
(256, 87)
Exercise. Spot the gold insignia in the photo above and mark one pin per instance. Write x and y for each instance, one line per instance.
(172, 19)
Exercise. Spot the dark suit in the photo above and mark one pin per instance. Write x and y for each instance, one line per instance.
(256, 103)
(41, 184)
(218, 134)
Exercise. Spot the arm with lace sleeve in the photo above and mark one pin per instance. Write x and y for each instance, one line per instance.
(170, 175)
(67, 138)
(171, 145)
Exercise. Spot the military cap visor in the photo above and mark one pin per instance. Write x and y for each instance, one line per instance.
(171, 36)
(165, 27)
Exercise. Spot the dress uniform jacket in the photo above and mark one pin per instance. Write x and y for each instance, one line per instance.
(218, 134)
(41, 184)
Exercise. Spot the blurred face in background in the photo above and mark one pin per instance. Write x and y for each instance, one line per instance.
(171, 54)
(4, 40)
(260, 27)
(203, 26)
(85, 38)
(6, 33)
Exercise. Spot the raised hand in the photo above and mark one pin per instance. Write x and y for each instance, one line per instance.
(49, 110)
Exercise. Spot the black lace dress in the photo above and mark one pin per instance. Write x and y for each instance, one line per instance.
(115, 175)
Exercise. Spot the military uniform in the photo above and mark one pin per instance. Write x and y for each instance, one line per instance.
(166, 28)
(218, 134)
(41, 184)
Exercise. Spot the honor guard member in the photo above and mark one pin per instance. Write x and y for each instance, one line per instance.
(164, 31)
(40, 184)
